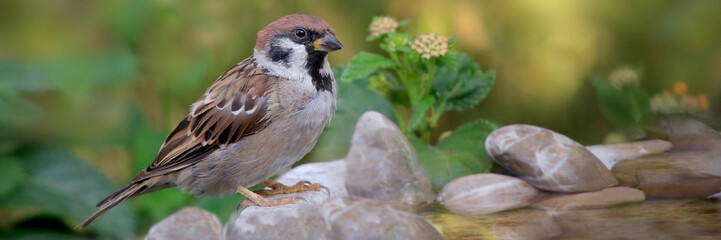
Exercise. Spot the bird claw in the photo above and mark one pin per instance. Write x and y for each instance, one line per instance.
(278, 188)
(256, 198)
(327, 190)
(266, 202)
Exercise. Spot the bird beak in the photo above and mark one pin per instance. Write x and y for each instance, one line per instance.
(327, 44)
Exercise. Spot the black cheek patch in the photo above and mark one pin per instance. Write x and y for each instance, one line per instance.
(279, 54)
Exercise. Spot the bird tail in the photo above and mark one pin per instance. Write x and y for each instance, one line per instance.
(109, 202)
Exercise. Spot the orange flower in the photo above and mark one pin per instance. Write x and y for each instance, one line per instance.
(703, 101)
(680, 88)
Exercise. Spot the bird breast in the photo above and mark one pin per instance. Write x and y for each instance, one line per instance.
(299, 115)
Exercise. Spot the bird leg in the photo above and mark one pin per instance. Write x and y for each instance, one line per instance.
(257, 200)
(277, 188)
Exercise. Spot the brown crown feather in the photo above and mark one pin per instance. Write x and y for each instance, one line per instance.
(288, 23)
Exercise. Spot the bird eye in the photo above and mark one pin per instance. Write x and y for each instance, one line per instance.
(300, 33)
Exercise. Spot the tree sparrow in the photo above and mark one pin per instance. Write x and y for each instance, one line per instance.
(257, 119)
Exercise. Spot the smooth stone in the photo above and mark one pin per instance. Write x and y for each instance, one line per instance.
(591, 200)
(690, 169)
(383, 166)
(687, 134)
(368, 219)
(548, 160)
(486, 193)
(610, 154)
(659, 177)
(188, 223)
(293, 221)
(696, 146)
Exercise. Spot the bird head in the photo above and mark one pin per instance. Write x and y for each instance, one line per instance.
(295, 37)
(296, 47)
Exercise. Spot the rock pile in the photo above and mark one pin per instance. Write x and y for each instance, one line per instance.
(377, 191)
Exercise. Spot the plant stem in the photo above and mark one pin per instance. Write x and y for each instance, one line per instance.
(430, 76)
(442, 107)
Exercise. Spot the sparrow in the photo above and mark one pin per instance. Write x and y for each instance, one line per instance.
(255, 121)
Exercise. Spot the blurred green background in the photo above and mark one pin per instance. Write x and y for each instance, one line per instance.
(89, 89)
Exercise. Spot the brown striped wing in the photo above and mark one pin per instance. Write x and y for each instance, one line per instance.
(233, 107)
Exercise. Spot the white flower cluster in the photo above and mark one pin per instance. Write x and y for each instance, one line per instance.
(430, 45)
(383, 25)
(623, 76)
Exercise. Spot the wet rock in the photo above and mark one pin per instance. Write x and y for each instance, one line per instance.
(591, 200)
(658, 177)
(486, 193)
(525, 224)
(293, 221)
(188, 223)
(610, 154)
(383, 166)
(369, 219)
(695, 145)
(691, 169)
(648, 220)
(687, 134)
(548, 160)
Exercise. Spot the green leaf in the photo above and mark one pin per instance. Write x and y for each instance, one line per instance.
(62, 185)
(11, 175)
(443, 167)
(24, 112)
(463, 164)
(380, 85)
(363, 64)
(419, 112)
(616, 107)
(452, 39)
(434, 162)
(470, 138)
(371, 38)
(463, 87)
(449, 61)
(16, 77)
(639, 102)
(403, 23)
(396, 42)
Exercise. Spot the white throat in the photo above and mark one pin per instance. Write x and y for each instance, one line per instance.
(292, 68)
